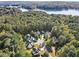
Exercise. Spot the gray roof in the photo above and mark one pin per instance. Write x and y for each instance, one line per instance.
(35, 51)
(55, 40)
(30, 45)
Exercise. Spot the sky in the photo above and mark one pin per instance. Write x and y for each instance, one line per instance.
(39, 0)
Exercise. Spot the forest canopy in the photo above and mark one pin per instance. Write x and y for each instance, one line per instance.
(36, 33)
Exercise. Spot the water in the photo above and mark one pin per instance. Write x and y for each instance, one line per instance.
(23, 10)
(72, 12)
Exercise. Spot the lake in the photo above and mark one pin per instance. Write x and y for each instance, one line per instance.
(72, 12)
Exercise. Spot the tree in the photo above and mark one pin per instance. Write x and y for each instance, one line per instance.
(44, 53)
(5, 53)
(70, 49)
(7, 42)
(49, 42)
(62, 33)
(67, 51)
(62, 40)
(18, 45)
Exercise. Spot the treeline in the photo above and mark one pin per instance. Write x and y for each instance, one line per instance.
(19, 33)
(48, 5)
(56, 5)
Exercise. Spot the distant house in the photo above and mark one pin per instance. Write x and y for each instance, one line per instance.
(33, 39)
(47, 35)
(48, 49)
(29, 45)
(42, 32)
(41, 43)
(37, 33)
(35, 52)
(29, 38)
(55, 40)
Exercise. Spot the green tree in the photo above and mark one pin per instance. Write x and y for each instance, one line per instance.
(68, 51)
(19, 47)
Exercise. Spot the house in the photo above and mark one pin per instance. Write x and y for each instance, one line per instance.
(30, 38)
(41, 43)
(55, 40)
(37, 33)
(33, 39)
(29, 45)
(47, 35)
(35, 52)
